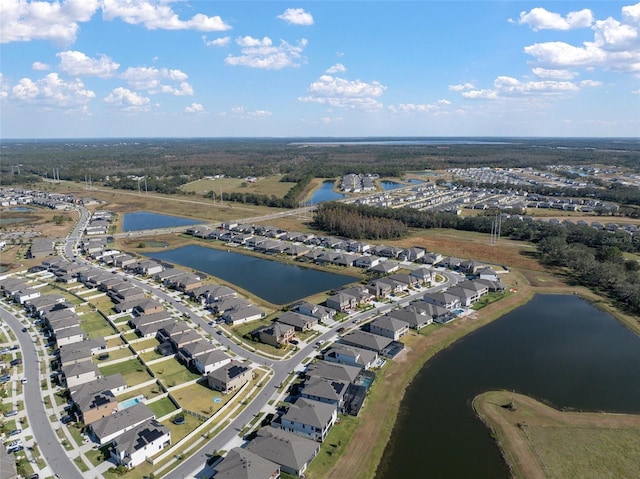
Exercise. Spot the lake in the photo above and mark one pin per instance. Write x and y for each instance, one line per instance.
(143, 220)
(276, 282)
(326, 193)
(556, 348)
(391, 185)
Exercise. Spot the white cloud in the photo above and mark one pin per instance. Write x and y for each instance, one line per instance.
(52, 91)
(127, 100)
(217, 42)
(462, 87)
(194, 108)
(555, 74)
(296, 16)
(541, 19)
(78, 64)
(256, 53)
(338, 92)
(590, 83)
(615, 46)
(239, 111)
(509, 87)
(159, 16)
(337, 68)
(4, 87)
(23, 20)
(327, 120)
(154, 80)
(39, 66)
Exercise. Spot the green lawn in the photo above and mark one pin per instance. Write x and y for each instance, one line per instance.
(114, 354)
(172, 373)
(113, 342)
(133, 371)
(333, 447)
(162, 407)
(148, 392)
(199, 399)
(150, 356)
(178, 432)
(270, 185)
(95, 325)
(146, 344)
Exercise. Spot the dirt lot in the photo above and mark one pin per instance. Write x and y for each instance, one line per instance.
(541, 442)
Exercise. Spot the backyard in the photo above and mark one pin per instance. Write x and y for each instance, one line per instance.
(133, 371)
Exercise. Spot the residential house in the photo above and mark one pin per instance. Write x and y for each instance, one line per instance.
(136, 445)
(25, 295)
(471, 266)
(277, 334)
(328, 370)
(423, 275)
(330, 391)
(242, 315)
(189, 352)
(291, 452)
(412, 254)
(443, 299)
(211, 361)
(243, 464)
(384, 267)
(79, 373)
(310, 419)
(300, 322)
(365, 340)
(429, 310)
(367, 261)
(229, 377)
(145, 319)
(95, 406)
(70, 335)
(316, 311)
(389, 327)
(82, 351)
(413, 318)
(351, 355)
(488, 274)
(108, 428)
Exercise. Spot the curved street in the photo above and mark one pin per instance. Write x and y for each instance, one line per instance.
(195, 464)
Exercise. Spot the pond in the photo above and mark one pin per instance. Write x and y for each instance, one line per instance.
(276, 282)
(326, 193)
(11, 221)
(555, 348)
(390, 185)
(143, 220)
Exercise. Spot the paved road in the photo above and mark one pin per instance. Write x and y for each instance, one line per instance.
(47, 440)
(194, 465)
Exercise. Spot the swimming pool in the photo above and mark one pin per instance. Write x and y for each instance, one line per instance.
(458, 312)
(130, 402)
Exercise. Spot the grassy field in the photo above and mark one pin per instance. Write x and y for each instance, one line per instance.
(162, 407)
(95, 325)
(181, 430)
(270, 185)
(114, 354)
(541, 442)
(172, 373)
(199, 398)
(145, 344)
(148, 392)
(133, 371)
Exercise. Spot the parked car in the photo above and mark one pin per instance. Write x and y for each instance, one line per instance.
(14, 449)
(15, 432)
(13, 412)
(24, 380)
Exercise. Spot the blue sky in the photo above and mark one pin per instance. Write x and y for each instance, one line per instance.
(142, 68)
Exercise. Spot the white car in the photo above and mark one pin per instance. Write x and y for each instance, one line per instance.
(24, 380)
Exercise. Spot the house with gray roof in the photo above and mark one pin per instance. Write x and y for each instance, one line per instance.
(145, 319)
(189, 352)
(277, 334)
(299, 321)
(292, 452)
(80, 373)
(82, 351)
(108, 428)
(444, 300)
(134, 446)
(70, 335)
(429, 310)
(365, 340)
(329, 370)
(413, 318)
(315, 310)
(243, 464)
(211, 361)
(229, 377)
(330, 391)
(310, 419)
(351, 356)
(242, 315)
(389, 327)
